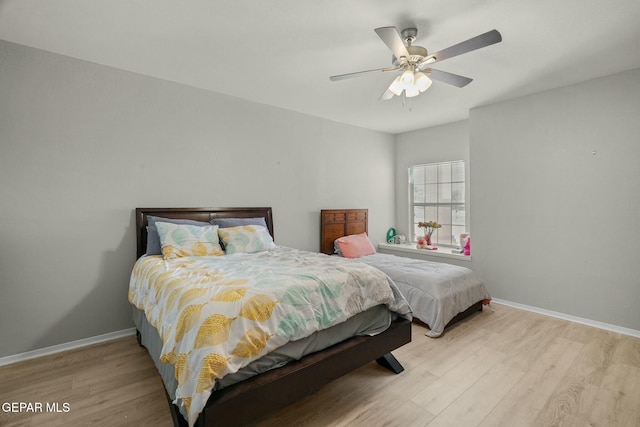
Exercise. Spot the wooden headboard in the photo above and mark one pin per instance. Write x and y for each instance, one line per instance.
(335, 223)
(196, 214)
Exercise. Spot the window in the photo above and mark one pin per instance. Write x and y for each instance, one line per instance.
(437, 193)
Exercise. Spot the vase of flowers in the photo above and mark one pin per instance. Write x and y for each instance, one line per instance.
(429, 227)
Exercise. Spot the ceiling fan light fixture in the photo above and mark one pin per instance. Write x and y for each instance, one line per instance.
(422, 82)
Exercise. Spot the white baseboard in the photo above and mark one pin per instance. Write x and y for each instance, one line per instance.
(588, 322)
(8, 360)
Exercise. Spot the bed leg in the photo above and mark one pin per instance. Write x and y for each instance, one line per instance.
(391, 363)
(176, 416)
(139, 338)
(178, 419)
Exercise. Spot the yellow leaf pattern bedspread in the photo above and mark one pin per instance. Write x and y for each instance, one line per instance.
(217, 314)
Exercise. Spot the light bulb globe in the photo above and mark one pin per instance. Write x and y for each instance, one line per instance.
(396, 86)
(422, 82)
(411, 91)
(407, 78)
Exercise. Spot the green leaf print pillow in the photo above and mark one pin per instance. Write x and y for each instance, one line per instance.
(180, 240)
(246, 239)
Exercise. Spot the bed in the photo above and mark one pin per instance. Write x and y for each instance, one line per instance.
(276, 377)
(439, 294)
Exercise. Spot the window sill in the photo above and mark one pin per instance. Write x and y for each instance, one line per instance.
(442, 252)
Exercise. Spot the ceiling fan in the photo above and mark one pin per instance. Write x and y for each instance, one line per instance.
(414, 61)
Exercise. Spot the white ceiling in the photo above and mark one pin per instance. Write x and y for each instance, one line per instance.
(282, 52)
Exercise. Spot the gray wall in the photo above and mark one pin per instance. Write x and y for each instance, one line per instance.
(553, 224)
(82, 145)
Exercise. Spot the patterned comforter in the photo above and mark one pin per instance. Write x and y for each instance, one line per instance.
(217, 314)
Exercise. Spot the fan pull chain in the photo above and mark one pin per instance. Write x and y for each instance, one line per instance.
(405, 102)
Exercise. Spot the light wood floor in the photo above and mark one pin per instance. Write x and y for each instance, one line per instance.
(502, 367)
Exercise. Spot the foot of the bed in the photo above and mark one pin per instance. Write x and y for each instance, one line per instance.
(176, 416)
(178, 419)
(391, 363)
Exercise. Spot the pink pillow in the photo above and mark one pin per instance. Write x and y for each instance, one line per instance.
(355, 246)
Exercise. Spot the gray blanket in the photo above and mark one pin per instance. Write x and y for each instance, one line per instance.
(436, 291)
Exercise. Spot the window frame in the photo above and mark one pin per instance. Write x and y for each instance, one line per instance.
(455, 228)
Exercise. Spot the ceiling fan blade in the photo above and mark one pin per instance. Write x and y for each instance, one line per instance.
(478, 42)
(359, 73)
(449, 78)
(391, 37)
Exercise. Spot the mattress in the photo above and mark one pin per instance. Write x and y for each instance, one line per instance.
(436, 291)
(371, 322)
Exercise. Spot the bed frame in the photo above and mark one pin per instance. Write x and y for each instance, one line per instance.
(266, 393)
(336, 223)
